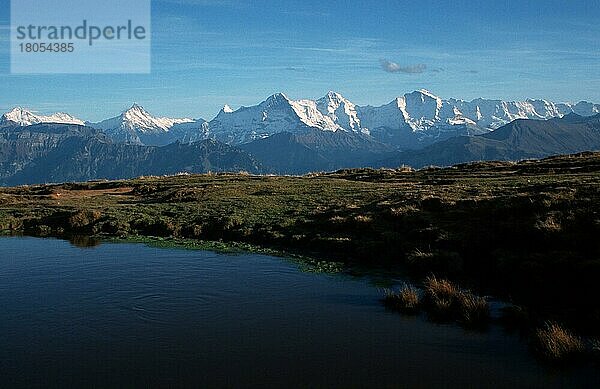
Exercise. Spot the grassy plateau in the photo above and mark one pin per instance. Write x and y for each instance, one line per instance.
(528, 232)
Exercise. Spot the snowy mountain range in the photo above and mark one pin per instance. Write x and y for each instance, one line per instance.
(410, 121)
(283, 136)
(22, 117)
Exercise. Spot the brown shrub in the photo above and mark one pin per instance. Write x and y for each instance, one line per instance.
(82, 219)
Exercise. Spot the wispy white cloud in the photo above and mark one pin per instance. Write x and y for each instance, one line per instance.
(393, 67)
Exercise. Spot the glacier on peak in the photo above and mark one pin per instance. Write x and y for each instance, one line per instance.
(341, 111)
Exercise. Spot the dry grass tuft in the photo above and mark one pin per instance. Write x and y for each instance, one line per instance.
(441, 309)
(556, 343)
(402, 210)
(338, 219)
(474, 310)
(447, 300)
(595, 347)
(406, 300)
(363, 219)
(550, 223)
(439, 288)
(417, 256)
(441, 296)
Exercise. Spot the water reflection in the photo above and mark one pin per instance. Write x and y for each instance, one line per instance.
(83, 241)
(137, 316)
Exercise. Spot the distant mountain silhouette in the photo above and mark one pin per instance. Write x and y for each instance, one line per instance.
(520, 139)
(57, 153)
(315, 150)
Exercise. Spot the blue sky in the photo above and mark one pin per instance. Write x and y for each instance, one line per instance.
(207, 53)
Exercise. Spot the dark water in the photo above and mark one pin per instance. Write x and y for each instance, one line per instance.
(134, 316)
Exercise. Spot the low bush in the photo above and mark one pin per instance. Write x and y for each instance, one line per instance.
(83, 219)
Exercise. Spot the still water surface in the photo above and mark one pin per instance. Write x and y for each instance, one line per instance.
(125, 315)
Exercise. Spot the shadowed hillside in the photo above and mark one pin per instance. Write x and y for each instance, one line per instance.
(520, 139)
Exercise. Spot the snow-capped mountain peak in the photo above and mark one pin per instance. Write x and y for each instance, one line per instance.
(138, 119)
(277, 99)
(227, 109)
(23, 117)
(333, 100)
(138, 126)
(278, 113)
(20, 116)
(334, 97)
(341, 111)
(419, 110)
(425, 92)
(137, 116)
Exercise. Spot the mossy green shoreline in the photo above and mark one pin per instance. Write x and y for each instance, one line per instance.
(189, 244)
(307, 264)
